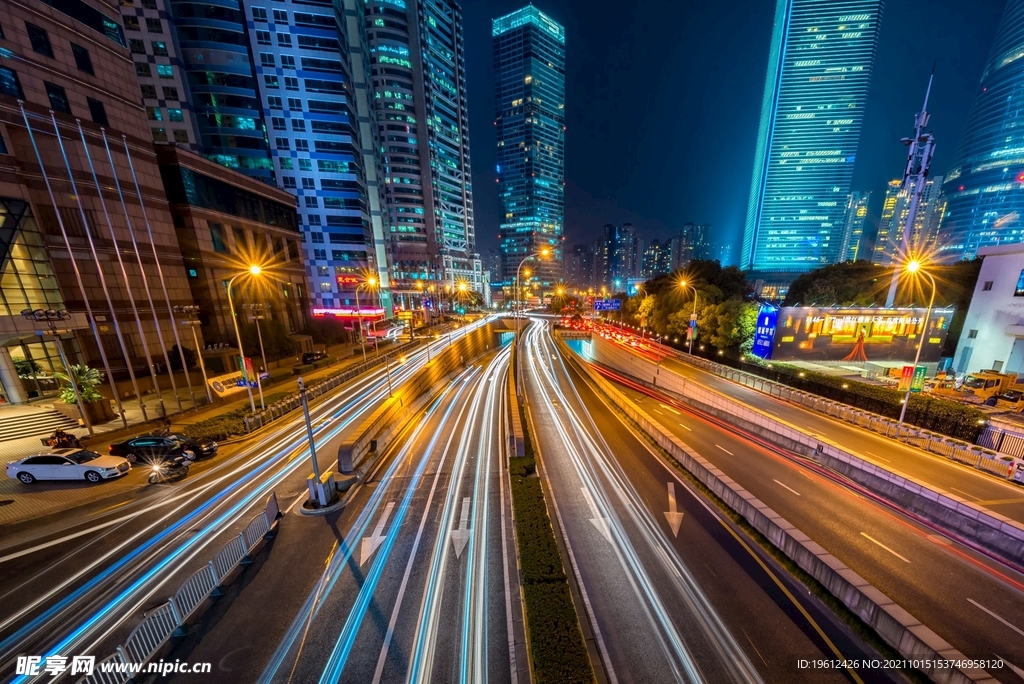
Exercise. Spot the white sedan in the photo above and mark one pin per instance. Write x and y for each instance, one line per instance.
(68, 464)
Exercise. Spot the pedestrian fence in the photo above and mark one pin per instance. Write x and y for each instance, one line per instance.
(294, 401)
(163, 622)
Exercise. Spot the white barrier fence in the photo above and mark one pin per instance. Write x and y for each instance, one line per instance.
(161, 623)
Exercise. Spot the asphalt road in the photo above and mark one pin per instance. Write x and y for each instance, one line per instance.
(407, 583)
(75, 585)
(696, 603)
(1003, 497)
(973, 602)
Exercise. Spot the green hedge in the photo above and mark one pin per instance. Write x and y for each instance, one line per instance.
(556, 644)
(302, 368)
(279, 376)
(220, 427)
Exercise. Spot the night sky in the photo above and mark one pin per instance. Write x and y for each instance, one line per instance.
(663, 99)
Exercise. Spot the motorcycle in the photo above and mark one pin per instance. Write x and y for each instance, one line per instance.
(164, 471)
(62, 440)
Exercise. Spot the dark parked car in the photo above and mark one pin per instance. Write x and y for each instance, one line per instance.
(161, 447)
(310, 357)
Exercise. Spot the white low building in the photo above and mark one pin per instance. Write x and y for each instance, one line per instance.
(993, 333)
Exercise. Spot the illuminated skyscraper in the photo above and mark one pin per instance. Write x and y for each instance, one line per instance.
(419, 76)
(853, 231)
(895, 210)
(985, 187)
(819, 68)
(529, 115)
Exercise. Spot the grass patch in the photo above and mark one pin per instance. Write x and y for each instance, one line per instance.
(556, 644)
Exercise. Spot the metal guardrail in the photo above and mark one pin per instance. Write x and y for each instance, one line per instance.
(161, 623)
(292, 402)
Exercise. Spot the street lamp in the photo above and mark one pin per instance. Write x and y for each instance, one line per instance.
(256, 314)
(50, 317)
(191, 322)
(543, 252)
(912, 267)
(693, 316)
(254, 270)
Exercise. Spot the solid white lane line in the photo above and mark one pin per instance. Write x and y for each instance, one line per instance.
(787, 487)
(969, 496)
(669, 408)
(1015, 628)
(725, 450)
(685, 426)
(1019, 672)
(872, 539)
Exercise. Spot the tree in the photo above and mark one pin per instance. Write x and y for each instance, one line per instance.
(727, 325)
(853, 283)
(87, 379)
(26, 368)
(191, 358)
(277, 341)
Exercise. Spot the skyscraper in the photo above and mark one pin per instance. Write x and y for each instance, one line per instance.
(281, 92)
(529, 115)
(579, 266)
(895, 211)
(819, 68)
(984, 189)
(657, 259)
(853, 226)
(419, 80)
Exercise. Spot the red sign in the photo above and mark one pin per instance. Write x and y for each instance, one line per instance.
(348, 280)
(906, 378)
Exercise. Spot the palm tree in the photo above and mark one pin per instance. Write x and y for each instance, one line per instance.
(87, 379)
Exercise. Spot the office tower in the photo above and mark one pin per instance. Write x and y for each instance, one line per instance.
(529, 117)
(853, 226)
(895, 210)
(628, 253)
(657, 259)
(419, 81)
(703, 244)
(725, 253)
(579, 266)
(282, 92)
(984, 188)
(617, 256)
(69, 242)
(819, 68)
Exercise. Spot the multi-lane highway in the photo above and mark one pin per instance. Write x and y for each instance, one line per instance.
(671, 592)
(967, 598)
(74, 585)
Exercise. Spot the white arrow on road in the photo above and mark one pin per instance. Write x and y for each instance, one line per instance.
(600, 523)
(675, 518)
(373, 542)
(460, 535)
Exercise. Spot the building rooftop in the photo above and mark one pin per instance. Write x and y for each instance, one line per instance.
(528, 15)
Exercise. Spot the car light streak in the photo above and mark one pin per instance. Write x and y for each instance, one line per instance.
(600, 463)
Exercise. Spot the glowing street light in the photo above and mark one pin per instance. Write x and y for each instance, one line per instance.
(254, 270)
(693, 316)
(913, 267)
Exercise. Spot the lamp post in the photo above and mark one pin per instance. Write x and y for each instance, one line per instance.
(50, 317)
(256, 313)
(372, 285)
(914, 266)
(253, 270)
(693, 316)
(189, 311)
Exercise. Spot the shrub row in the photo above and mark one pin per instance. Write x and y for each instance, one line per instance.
(219, 428)
(556, 644)
(940, 415)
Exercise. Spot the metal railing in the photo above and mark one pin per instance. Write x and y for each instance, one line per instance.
(161, 623)
(292, 402)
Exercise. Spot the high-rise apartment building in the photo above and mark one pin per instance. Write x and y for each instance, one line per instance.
(657, 259)
(853, 226)
(819, 69)
(281, 91)
(895, 212)
(579, 266)
(529, 115)
(617, 256)
(419, 79)
(984, 189)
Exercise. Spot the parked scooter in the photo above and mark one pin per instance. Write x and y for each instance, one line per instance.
(174, 468)
(62, 440)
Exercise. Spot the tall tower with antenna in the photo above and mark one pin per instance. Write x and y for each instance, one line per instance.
(919, 159)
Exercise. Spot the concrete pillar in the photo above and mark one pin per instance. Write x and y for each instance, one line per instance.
(13, 386)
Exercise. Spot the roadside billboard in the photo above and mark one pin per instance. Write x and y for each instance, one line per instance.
(764, 333)
(857, 334)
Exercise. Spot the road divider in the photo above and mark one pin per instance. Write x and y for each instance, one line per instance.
(970, 522)
(892, 623)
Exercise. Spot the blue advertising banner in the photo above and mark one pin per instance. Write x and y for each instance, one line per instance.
(764, 333)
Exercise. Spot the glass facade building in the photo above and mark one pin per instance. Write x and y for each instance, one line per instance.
(529, 116)
(417, 63)
(280, 92)
(819, 68)
(984, 188)
(853, 231)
